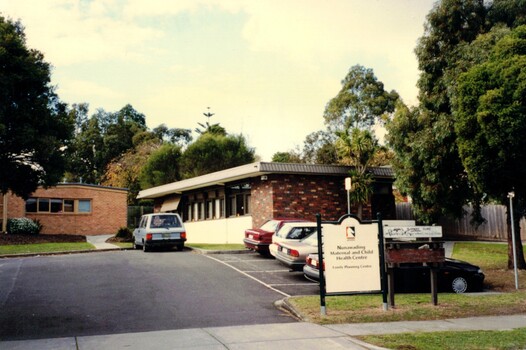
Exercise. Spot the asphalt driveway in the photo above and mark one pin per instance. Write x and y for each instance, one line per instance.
(127, 291)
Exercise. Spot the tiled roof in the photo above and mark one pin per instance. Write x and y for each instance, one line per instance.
(252, 170)
(319, 169)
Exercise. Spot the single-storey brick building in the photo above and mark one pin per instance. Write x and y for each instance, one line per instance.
(218, 207)
(76, 209)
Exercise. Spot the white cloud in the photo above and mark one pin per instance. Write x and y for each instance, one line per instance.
(268, 76)
(70, 32)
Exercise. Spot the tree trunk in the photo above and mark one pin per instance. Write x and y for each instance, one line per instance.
(521, 263)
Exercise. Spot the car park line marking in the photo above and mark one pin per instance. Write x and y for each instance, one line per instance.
(269, 271)
(252, 277)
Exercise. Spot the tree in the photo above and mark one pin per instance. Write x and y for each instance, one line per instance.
(287, 157)
(86, 161)
(102, 138)
(162, 166)
(212, 152)
(428, 166)
(357, 148)
(125, 171)
(210, 128)
(319, 148)
(490, 121)
(35, 129)
(176, 135)
(361, 102)
(118, 136)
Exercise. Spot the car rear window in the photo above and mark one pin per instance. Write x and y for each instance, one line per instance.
(270, 226)
(159, 221)
(300, 232)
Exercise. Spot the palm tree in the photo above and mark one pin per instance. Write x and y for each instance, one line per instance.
(357, 148)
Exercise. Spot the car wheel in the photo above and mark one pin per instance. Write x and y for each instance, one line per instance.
(135, 246)
(459, 285)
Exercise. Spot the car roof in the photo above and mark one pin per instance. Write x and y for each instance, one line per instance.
(157, 214)
(298, 224)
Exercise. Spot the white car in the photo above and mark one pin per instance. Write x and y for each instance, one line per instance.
(159, 230)
(292, 232)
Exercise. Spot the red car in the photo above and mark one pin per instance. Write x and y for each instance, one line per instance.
(259, 239)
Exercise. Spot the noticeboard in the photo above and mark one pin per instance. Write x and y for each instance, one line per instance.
(351, 255)
(413, 232)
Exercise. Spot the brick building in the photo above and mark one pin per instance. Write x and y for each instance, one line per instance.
(218, 207)
(76, 209)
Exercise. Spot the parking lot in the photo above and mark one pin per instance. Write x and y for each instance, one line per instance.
(269, 272)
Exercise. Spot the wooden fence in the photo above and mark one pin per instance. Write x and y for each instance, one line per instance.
(494, 229)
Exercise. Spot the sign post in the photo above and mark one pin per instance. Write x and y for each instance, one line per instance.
(348, 186)
(510, 196)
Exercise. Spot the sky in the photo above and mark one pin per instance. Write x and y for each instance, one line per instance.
(265, 68)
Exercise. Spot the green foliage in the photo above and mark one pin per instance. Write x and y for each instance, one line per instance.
(103, 138)
(490, 119)
(34, 126)
(125, 171)
(287, 157)
(358, 148)
(319, 148)
(124, 233)
(161, 167)
(428, 165)
(361, 102)
(23, 226)
(212, 152)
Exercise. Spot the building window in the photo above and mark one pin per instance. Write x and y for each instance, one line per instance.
(58, 205)
(239, 200)
(209, 209)
(43, 205)
(84, 206)
(69, 205)
(31, 205)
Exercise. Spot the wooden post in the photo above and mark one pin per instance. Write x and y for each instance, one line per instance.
(390, 279)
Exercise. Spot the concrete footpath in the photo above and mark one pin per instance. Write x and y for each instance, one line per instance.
(300, 335)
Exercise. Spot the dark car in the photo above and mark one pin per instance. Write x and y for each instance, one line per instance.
(453, 276)
(259, 239)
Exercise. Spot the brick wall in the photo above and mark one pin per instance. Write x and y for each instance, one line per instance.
(261, 201)
(108, 210)
(300, 196)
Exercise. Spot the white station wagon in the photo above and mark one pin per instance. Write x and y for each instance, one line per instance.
(159, 230)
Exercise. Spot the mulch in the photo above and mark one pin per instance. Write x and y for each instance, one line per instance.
(13, 239)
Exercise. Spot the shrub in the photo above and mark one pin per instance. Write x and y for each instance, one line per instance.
(124, 233)
(23, 226)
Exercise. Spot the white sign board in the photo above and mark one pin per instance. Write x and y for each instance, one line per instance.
(412, 232)
(351, 256)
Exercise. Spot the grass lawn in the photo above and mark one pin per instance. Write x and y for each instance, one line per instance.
(44, 248)
(514, 339)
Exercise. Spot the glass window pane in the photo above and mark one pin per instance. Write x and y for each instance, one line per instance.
(43, 205)
(31, 205)
(56, 205)
(69, 205)
(84, 206)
